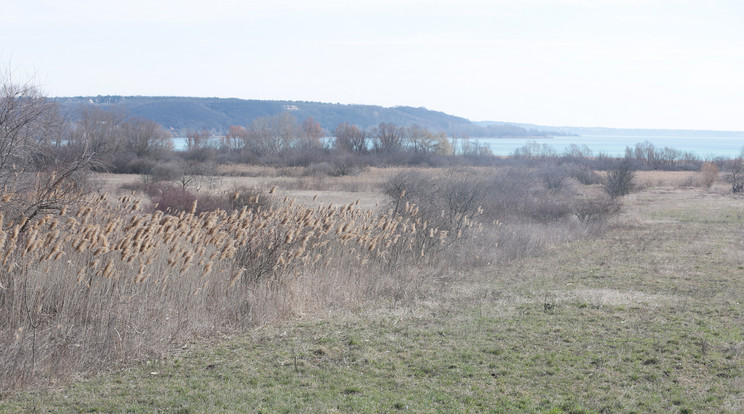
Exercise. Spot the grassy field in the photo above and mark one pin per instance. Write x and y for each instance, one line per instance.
(644, 318)
(311, 191)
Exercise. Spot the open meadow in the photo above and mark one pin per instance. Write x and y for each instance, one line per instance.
(643, 316)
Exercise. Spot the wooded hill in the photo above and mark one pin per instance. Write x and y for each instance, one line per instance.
(181, 114)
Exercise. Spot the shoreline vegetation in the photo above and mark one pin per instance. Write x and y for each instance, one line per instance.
(555, 269)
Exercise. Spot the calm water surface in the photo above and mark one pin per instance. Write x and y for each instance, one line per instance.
(703, 145)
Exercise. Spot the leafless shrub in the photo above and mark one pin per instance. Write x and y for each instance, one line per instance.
(620, 180)
(517, 200)
(320, 169)
(130, 164)
(346, 164)
(167, 171)
(595, 210)
(584, 174)
(548, 209)
(407, 186)
(511, 191)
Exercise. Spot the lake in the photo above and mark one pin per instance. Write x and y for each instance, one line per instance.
(706, 145)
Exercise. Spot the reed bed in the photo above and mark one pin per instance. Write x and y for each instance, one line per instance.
(103, 282)
(657, 178)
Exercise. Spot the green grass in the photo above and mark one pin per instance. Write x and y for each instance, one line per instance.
(646, 318)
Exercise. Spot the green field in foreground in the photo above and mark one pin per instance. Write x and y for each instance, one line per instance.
(645, 318)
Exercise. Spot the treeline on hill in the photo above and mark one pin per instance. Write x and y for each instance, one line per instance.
(183, 114)
(124, 145)
(127, 144)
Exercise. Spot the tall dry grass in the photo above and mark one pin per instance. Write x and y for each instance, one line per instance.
(658, 178)
(104, 282)
(707, 176)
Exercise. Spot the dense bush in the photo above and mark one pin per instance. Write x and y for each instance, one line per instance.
(595, 210)
(582, 173)
(134, 165)
(167, 171)
(620, 180)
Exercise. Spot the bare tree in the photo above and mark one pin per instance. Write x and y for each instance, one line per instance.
(260, 137)
(197, 139)
(644, 152)
(532, 150)
(442, 145)
(235, 139)
(24, 113)
(620, 180)
(273, 134)
(734, 170)
(102, 131)
(146, 139)
(388, 138)
(198, 175)
(37, 172)
(420, 139)
(313, 131)
(576, 152)
(350, 138)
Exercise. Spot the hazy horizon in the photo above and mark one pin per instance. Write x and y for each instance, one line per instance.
(640, 64)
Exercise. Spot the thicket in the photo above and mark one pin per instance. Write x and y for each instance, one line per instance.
(530, 211)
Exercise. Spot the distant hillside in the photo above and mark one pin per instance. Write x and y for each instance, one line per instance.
(640, 132)
(180, 114)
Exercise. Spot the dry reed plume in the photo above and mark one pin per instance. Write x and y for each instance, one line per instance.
(105, 282)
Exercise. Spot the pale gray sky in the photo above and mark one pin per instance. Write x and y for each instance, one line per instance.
(614, 63)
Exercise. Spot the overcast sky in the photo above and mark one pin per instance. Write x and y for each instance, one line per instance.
(613, 63)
